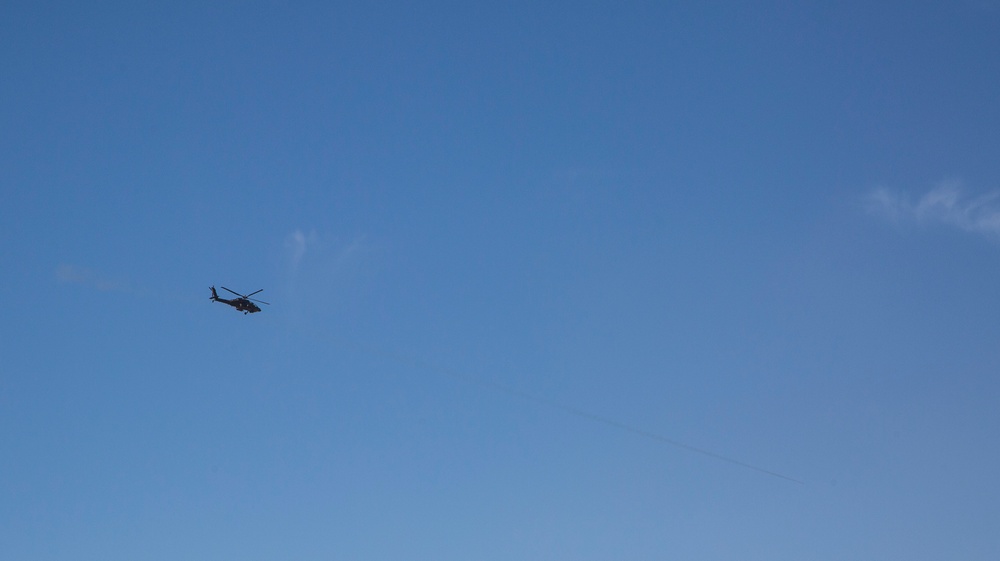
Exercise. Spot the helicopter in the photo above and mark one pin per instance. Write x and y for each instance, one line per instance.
(244, 303)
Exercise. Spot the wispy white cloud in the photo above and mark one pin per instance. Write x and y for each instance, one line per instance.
(350, 250)
(319, 269)
(946, 204)
(297, 244)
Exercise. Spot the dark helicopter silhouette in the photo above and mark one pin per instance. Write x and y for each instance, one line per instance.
(244, 303)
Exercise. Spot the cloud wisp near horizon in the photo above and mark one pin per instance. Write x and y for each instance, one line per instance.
(947, 203)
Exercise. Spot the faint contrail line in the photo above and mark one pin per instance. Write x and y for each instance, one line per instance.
(461, 376)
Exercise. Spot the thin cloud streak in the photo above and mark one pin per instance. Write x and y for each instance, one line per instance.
(550, 404)
(96, 280)
(945, 204)
(88, 277)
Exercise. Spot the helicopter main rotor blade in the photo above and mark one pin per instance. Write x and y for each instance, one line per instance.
(252, 293)
(258, 301)
(237, 293)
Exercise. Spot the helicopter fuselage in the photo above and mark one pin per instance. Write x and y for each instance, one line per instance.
(242, 303)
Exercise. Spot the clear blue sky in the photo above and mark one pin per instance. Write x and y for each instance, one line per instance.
(770, 231)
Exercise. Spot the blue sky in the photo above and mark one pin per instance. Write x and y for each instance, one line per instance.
(508, 249)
